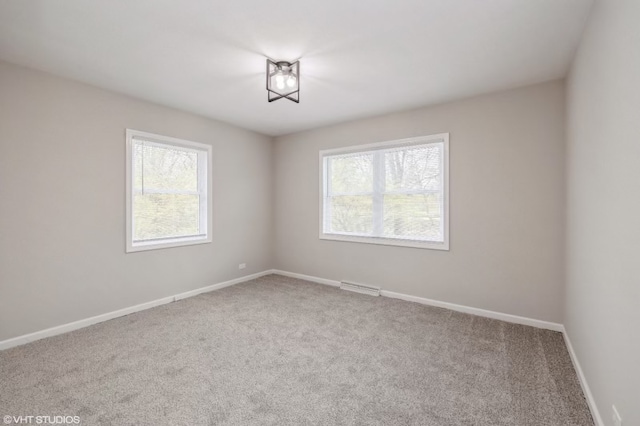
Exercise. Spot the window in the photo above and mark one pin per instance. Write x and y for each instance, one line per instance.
(393, 193)
(168, 192)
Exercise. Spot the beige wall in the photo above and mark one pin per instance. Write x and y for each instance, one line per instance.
(603, 240)
(507, 205)
(62, 204)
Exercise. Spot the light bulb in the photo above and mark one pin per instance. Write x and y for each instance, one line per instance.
(291, 81)
(280, 81)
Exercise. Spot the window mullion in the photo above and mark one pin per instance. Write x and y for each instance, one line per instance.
(378, 190)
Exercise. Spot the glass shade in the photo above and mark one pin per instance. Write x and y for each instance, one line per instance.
(283, 80)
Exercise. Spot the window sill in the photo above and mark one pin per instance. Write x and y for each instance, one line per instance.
(169, 243)
(430, 245)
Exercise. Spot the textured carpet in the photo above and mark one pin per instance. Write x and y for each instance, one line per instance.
(281, 351)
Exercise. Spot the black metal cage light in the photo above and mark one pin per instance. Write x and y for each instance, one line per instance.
(283, 80)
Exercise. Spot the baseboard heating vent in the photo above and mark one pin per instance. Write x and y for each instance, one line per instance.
(360, 288)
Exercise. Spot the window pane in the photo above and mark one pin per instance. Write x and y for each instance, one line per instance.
(351, 174)
(164, 168)
(413, 168)
(351, 214)
(165, 216)
(413, 216)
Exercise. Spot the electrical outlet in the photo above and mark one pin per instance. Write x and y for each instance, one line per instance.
(617, 420)
(242, 266)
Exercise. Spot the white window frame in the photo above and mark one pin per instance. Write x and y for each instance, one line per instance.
(204, 177)
(360, 149)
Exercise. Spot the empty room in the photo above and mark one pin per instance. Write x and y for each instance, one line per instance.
(412, 212)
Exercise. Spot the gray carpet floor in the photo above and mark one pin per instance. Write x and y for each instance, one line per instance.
(281, 351)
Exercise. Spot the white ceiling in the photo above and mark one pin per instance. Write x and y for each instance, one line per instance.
(358, 58)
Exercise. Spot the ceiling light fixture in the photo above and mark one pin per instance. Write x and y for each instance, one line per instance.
(283, 80)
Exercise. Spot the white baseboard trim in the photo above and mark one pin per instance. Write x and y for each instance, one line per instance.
(476, 311)
(65, 328)
(595, 413)
(218, 286)
(452, 306)
(311, 278)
